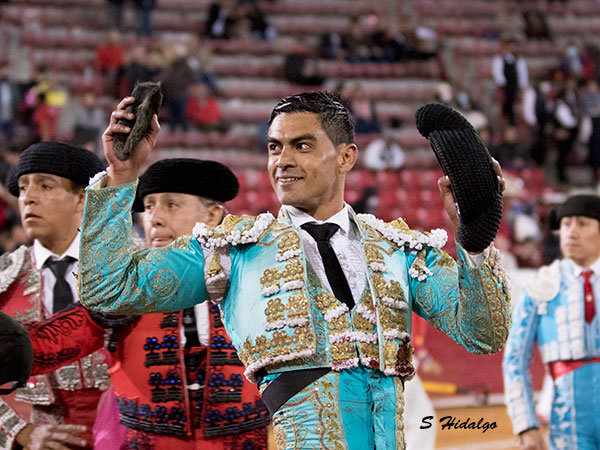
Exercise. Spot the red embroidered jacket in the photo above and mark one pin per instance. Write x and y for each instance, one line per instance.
(162, 388)
(59, 369)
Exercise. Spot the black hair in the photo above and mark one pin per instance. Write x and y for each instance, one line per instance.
(333, 116)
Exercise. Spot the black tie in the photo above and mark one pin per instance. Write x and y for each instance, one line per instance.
(63, 295)
(190, 328)
(321, 233)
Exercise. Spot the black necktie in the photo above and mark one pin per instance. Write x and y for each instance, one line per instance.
(190, 328)
(321, 233)
(63, 295)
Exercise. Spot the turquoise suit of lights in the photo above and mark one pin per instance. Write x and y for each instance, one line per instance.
(551, 313)
(280, 317)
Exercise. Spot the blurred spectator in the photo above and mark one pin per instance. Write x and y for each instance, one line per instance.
(425, 42)
(109, 62)
(511, 153)
(363, 109)
(9, 105)
(259, 26)
(590, 61)
(158, 59)
(510, 75)
(536, 26)
(301, 67)
(590, 109)
(471, 110)
(521, 216)
(220, 20)
(38, 81)
(90, 120)
(537, 112)
(507, 24)
(565, 132)
(176, 80)
(374, 36)
(330, 46)
(393, 43)
(137, 69)
(143, 15)
(45, 118)
(355, 44)
(202, 108)
(444, 93)
(528, 253)
(571, 61)
(200, 60)
(384, 153)
(57, 95)
(571, 85)
(38, 84)
(418, 42)
(241, 30)
(549, 243)
(115, 14)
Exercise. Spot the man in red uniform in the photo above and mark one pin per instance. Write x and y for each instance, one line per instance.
(37, 282)
(177, 377)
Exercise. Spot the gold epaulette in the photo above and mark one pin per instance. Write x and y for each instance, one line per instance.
(234, 230)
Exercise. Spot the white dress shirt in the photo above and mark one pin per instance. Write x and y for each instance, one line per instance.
(565, 115)
(40, 255)
(498, 70)
(202, 317)
(595, 267)
(345, 244)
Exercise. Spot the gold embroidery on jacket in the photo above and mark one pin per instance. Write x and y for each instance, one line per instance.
(230, 223)
(481, 300)
(182, 242)
(289, 240)
(214, 267)
(275, 310)
(321, 400)
(397, 349)
(281, 344)
(297, 307)
(400, 441)
(280, 437)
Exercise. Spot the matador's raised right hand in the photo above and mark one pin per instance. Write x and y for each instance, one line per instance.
(121, 172)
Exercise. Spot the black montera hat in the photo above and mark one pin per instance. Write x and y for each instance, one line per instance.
(209, 179)
(465, 160)
(64, 160)
(577, 205)
(15, 350)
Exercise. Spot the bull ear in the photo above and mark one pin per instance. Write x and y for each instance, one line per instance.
(148, 99)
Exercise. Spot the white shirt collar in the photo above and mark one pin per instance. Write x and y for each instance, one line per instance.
(299, 218)
(595, 267)
(41, 253)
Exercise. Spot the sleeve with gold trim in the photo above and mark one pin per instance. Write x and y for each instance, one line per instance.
(469, 303)
(114, 279)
